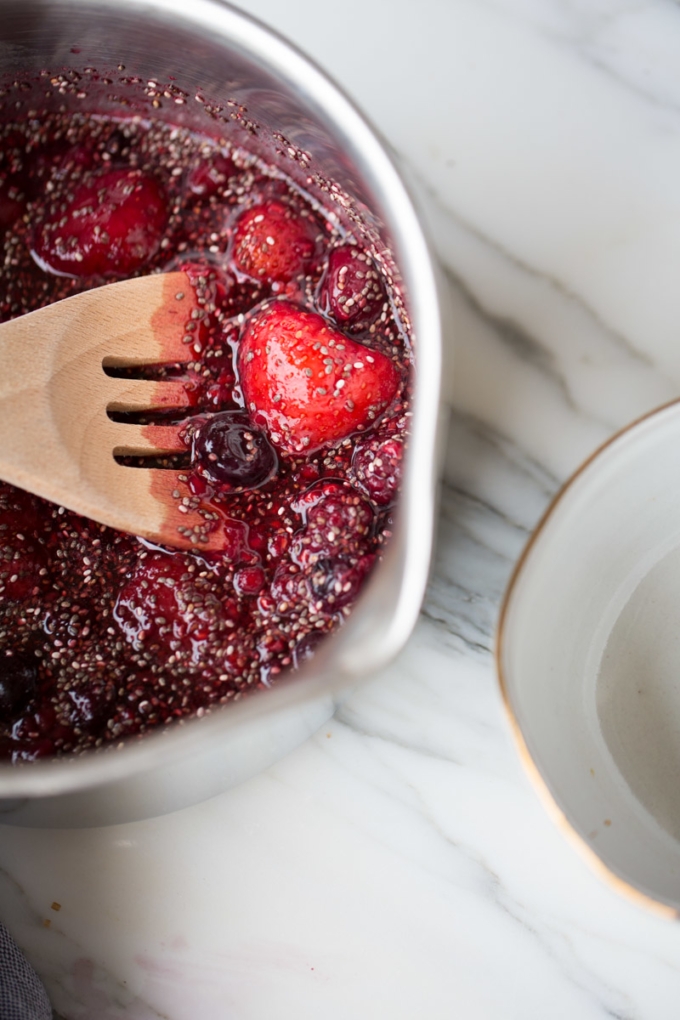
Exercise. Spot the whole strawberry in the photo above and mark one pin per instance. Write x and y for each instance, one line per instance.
(111, 226)
(307, 383)
(274, 243)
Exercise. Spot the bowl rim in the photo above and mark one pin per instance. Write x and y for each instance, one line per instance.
(412, 540)
(549, 800)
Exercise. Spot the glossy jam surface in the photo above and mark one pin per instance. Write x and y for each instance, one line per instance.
(298, 391)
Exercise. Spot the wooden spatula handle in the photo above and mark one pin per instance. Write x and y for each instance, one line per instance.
(57, 439)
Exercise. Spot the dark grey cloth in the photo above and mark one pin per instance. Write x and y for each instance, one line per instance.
(22, 995)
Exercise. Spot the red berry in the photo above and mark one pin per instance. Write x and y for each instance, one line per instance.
(376, 465)
(325, 585)
(229, 450)
(351, 291)
(274, 242)
(111, 226)
(166, 601)
(309, 384)
(289, 587)
(210, 175)
(249, 581)
(338, 524)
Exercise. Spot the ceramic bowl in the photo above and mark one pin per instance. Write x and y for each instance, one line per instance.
(588, 656)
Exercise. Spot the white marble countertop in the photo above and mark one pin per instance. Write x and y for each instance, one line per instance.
(399, 864)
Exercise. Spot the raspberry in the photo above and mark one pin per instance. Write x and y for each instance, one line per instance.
(340, 523)
(351, 291)
(249, 581)
(376, 465)
(335, 583)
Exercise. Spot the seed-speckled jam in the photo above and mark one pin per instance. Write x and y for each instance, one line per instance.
(297, 386)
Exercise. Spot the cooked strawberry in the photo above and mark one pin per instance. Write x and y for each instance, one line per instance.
(111, 226)
(210, 175)
(274, 242)
(307, 383)
(351, 291)
(168, 602)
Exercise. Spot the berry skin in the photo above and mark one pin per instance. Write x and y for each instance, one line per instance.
(274, 243)
(112, 226)
(325, 585)
(228, 449)
(351, 291)
(376, 466)
(309, 384)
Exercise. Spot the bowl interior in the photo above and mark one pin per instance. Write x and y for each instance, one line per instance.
(589, 654)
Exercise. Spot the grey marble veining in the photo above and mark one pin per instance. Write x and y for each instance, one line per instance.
(400, 864)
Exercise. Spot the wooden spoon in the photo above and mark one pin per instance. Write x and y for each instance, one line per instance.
(57, 439)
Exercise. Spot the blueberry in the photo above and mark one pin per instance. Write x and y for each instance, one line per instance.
(334, 583)
(228, 449)
(18, 679)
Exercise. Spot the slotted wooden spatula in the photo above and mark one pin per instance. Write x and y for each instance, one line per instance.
(57, 438)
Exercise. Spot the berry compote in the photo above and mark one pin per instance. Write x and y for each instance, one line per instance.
(297, 390)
